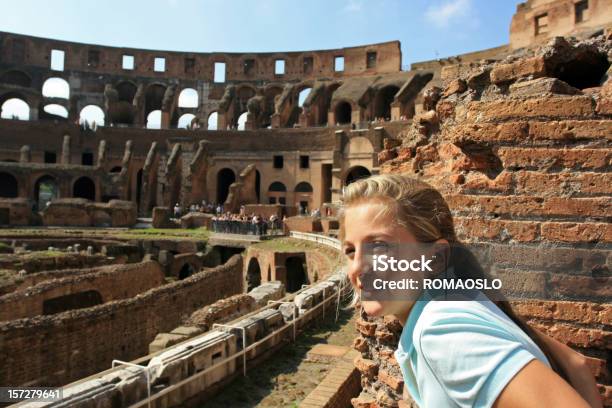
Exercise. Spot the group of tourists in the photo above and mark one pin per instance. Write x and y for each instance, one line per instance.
(253, 224)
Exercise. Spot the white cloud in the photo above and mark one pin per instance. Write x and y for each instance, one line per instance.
(443, 14)
(353, 6)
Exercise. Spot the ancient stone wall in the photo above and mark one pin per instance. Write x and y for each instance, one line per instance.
(57, 349)
(110, 282)
(521, 150)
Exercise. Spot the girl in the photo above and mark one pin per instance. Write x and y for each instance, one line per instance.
(474, 353)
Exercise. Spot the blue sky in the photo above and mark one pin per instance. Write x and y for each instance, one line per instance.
(427, 29)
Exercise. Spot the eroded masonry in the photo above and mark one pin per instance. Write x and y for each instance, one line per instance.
(98, 140)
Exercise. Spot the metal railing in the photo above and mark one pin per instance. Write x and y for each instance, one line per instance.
(321, 239)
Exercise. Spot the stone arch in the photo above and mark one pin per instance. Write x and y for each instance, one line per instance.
(213, 120)
(253, 275)
(355, 173)
(123, 110)
(55, 111)
(185, 121)
(91, 114)
(186, 271)
(154, 97)
(84, 187)
(126, 90)
(303, 196)
(343, 112)
(241, 122)
(154, 119)
(296, 273)
(56, 87)
(9, 187)
(46, 189)
(383, 100)
(188, 98)
(225, 178)
(15, 77)
(277, 193)
(14, 108)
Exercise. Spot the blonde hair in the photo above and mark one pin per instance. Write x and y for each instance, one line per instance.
(413, 204)
(422, 210)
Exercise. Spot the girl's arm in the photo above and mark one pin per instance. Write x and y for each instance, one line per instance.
(576, 368)
(536, 385)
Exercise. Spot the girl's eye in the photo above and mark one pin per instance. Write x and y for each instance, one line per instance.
(380, 246)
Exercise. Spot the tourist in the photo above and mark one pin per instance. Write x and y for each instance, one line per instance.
(177, 211)
(459, 353)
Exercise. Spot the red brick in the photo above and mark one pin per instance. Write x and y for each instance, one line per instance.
(531, 182)
(575, 106)
(365, 328)
(528, 206)
(392, 323)
(367, 367)
(534, 66)
(455, 86)
(514, 132)
(571, 130)
(364, 401)
(500, 184)
(471, 228)
(360, 344)
(395, 382)
(385, 336)
(546, 157)
(577, 232)
(577, 337)
(580, 286)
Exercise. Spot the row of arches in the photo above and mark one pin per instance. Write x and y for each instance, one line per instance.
(17, 108)
(46, 188)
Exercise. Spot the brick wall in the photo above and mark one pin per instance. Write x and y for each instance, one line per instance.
(57, 349)
(111, 282)
(523, 159)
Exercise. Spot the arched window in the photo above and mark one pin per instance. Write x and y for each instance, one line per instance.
(277, 193)
(56, 110)
(15, 108)
(277, 186)
(92, 114)
(343, 113)
(212, 121)
(84, 188)
(45, 190)
(8, 186)
(188, 98)
(304, 93)
(225, 178)
(185, 121)
(356, 173)
(242, 121)
(303, 187)
(56, 88)
(154, 119)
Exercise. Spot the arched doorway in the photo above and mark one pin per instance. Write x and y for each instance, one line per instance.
(56, 88)
(303, 197)
(253, 276)
(296, 273)
(8, 186)
(212, 121)
(45, 190)
(92, 115)
(277, 193)
(356, 173)
(241, 124)
(343, 113)
(15, 108)
(188, 98)
(382, 102)
(186, 271)
(84, 188)
(225, 178)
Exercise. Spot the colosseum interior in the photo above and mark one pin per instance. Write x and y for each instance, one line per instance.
(122, 282)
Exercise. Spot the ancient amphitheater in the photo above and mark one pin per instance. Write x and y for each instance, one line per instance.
(118, 283)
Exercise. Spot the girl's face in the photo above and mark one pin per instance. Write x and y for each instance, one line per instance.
(363, 225)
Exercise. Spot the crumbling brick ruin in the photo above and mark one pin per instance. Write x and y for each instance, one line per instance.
(516, 137)
(521, 150)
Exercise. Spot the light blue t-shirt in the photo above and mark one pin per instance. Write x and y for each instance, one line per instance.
(461, 353)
